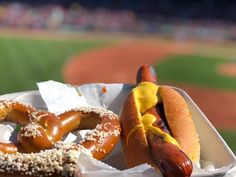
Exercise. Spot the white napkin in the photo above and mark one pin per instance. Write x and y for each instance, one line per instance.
(91, 167)
(60, 97)
(6, 131)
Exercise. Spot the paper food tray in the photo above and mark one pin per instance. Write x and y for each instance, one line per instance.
(213, 148)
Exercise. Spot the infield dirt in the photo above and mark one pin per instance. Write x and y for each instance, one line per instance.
(119, 63)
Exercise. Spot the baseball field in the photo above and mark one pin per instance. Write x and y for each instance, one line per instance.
(205, 70)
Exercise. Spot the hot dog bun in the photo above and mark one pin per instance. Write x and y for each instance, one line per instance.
(180, 122)
(136, 149)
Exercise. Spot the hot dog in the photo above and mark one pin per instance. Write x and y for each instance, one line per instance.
(157, 128)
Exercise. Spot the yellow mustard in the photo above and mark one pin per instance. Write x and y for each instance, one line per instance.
(145, 95)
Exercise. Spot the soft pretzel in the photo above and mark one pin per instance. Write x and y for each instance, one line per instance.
(41, 132)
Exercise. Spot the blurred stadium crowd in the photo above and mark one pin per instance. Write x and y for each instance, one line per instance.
(74, 18)
(77, 18)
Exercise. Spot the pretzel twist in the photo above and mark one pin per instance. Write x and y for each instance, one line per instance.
(40, 130)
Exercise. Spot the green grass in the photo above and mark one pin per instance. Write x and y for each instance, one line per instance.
(230, 139)
(194, 70)
(23, 62)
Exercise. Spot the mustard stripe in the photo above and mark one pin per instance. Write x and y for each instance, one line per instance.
(166, 136)
(146, 96)
(131, 132)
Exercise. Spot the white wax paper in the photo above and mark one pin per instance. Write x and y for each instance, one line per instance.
(60, 97)
(6, 131)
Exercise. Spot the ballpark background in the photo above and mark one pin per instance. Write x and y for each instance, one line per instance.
(191, 44)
